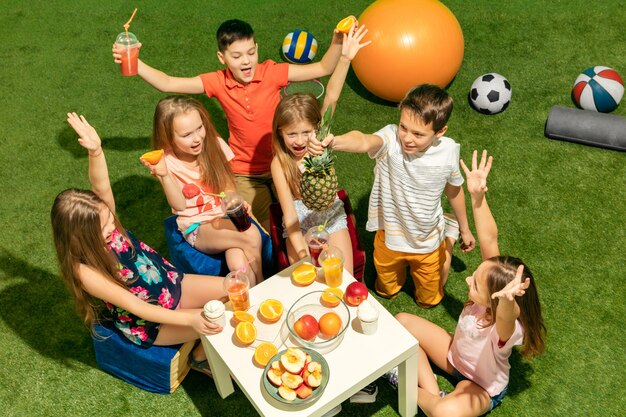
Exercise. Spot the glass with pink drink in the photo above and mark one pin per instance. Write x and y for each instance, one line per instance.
(128, 45)
(316, 238)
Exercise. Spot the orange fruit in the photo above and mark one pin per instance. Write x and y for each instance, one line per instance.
(328, 297)
(245, 332)
(271, 310)
(330, 325)
(264, 352)
(304, 274)
(240, 316)
(345, 24)
(153, 157)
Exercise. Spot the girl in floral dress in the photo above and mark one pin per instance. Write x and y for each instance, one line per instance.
(149, 301)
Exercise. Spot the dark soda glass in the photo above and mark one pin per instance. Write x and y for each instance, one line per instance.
(239, 217)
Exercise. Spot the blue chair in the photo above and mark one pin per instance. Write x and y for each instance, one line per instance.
(192, 261)
(158, 369)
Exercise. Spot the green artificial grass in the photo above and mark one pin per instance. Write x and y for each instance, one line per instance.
(559, 206)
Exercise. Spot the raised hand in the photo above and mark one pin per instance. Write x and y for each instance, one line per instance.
(515, 288)
(477, 177)
(117, 53)
(88, 137)
(352, 41)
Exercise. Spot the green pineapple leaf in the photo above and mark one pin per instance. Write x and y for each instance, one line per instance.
(324, 125)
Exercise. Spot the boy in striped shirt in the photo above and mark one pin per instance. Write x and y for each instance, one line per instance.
(415, 165)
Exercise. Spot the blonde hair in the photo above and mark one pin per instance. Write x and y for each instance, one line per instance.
(78, 239)
(292, 109)
(215, 170)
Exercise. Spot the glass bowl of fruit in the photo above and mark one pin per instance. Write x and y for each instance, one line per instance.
(318, 320)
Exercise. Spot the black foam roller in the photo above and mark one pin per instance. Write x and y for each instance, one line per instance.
(587, 128)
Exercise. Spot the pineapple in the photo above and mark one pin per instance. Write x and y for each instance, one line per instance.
(318, 185)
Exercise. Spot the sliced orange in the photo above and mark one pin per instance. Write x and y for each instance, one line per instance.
(331, 297)
(245, 332)
(304, 274)
(271, 310)
(153, 157)
(264, 352)
(345, 24)
(240, 316)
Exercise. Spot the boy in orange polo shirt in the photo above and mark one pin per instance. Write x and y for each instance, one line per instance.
(249, 92)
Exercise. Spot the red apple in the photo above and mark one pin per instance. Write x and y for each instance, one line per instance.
(306, 327)
(356, 293)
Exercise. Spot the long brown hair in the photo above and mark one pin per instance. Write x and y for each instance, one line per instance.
(502, 271)
(292, 109)
(78, 239)
(215, 170)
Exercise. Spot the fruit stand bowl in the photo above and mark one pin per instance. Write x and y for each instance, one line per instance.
(314, 325)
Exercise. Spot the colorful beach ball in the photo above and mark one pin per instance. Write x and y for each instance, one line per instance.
(299, 47)
(598, 88)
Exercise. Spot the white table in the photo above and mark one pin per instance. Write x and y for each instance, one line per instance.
(357, 361)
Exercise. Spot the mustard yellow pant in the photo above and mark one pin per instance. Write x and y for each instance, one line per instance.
(259, 191)
(425, 270)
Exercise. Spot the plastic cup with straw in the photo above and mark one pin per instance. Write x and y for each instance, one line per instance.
(129, 45)
(316, 238)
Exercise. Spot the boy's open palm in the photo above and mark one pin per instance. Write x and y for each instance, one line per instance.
(477, 177)
(515, 288)
(88, 137)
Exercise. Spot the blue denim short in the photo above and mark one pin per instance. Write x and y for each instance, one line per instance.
(495, 400)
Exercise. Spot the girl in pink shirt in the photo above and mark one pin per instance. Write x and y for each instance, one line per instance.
(503, 311)
(193, 172)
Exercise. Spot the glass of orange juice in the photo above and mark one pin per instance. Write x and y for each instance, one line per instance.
(331, 260)
(237, 284)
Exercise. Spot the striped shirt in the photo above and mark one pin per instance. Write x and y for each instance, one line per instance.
(405, 200)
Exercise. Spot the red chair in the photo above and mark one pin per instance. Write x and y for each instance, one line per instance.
(280, 246)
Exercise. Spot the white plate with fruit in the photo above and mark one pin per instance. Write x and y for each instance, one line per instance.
(296, 376)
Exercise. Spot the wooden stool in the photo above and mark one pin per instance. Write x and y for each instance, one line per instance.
(158, 369)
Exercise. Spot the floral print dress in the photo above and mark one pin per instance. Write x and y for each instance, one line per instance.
(148, 276)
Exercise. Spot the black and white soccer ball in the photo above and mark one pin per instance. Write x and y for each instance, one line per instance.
(490, 93)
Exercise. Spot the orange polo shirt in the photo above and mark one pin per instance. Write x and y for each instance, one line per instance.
(249, 110)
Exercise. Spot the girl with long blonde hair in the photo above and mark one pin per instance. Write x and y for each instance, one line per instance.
(110, 272)
(295, 121)
(193, 172)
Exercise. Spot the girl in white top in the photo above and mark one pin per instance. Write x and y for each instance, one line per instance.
(193, 172)
(295, 121)
(503, 311)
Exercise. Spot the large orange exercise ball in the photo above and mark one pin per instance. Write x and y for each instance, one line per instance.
(413, 42)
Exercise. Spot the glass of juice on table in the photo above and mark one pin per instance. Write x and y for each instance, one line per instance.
(331, 260)
(128, 44)
(236, 284)
(233, 206)
(316, 237)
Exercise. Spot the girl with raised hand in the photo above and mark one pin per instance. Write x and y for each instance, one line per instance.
(295, 121)
(503, 311)
(148, 299)
(193, 172)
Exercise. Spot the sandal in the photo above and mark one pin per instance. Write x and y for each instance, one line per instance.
(200, 366)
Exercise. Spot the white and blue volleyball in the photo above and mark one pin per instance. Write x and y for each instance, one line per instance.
(599, 89)
(299, 47)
